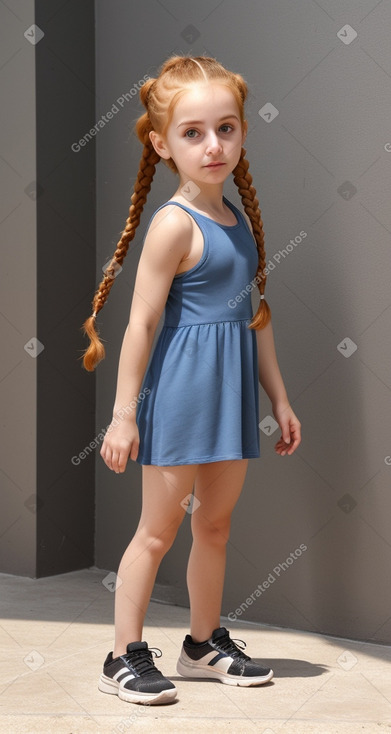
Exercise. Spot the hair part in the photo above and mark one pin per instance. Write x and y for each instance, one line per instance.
(159, 97)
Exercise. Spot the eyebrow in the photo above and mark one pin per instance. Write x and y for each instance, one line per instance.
(201, 122)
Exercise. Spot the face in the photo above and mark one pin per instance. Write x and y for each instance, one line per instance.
(205, 135)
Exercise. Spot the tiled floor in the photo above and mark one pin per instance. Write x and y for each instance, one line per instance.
(56, 632)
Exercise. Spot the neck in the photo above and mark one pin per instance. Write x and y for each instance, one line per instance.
(209, 198)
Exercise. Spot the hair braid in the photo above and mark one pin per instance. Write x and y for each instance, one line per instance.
(243, 181)
(159, 97)
(96, 352)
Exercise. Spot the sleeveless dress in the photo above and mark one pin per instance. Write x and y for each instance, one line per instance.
(201, 384)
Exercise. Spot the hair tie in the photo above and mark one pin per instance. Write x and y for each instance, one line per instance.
(262, 297)
(94, 315)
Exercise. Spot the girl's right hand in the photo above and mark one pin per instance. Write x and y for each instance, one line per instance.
(121, 441)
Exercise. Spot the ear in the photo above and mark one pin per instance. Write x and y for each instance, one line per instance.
(245, 128)
(159, 144)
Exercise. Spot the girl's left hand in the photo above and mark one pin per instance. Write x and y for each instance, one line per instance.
(290, 430)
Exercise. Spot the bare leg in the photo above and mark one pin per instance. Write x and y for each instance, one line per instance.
(164, 488)
(217, 487)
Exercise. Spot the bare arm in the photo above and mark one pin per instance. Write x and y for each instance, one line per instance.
(268, 369)
(166, 245)
(272, 382)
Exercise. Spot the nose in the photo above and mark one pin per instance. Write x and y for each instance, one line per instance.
(213, 145)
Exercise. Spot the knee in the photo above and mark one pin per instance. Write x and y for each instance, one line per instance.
(214, 533)
(157, 544)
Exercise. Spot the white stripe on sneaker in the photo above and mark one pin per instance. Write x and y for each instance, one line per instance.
(120, 672)
(207, 658)
(223, 664)
(125, 680)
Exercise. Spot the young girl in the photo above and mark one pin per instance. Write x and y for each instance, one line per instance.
(190, 418)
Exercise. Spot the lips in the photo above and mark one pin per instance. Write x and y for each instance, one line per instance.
(217, 164)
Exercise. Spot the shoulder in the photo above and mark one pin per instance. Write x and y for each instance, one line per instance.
(172, 219)
(168, 237)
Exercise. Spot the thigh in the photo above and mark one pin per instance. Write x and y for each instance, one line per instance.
(217, 487)
(164, 491)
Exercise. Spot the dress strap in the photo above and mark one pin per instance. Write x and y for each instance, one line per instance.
(239, 216)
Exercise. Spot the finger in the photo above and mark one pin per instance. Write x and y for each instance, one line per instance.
(122, 461)
(134, 450)
(106, 456)
(115, 461)
(285, 432)
(281, 449)
(295, 442)
(284, 442)
(286, 437)
(105, 449)
(294, 446)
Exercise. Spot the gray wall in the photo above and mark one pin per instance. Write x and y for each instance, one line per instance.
(47, 227)
(18, 312)
(322, 165)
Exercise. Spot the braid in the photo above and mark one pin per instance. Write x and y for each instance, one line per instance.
(96, 352)
(159, 97)
(243, 181)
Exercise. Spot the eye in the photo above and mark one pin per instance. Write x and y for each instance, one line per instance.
(191, 133)
(226, 126)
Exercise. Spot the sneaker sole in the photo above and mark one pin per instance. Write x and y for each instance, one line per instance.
(190, 670)
(108, 685)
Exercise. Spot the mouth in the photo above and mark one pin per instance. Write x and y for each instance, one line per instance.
(216, 164)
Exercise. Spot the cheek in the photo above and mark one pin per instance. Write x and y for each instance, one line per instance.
(188, 152)
(238, 144)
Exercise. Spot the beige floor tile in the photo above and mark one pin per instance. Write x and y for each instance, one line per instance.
(52, 629)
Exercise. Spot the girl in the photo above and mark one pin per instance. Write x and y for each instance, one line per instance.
(196, 422)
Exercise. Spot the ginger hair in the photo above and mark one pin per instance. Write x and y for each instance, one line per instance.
(159, 97)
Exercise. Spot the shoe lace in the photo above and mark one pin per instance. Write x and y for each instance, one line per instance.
(232, 647)
(142, 660)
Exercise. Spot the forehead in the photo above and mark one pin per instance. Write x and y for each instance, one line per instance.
(201, 99)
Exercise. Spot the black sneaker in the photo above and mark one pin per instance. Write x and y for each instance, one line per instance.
(221, 659)
(134, 677)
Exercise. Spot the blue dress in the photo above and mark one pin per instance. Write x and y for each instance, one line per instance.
(203, 373)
